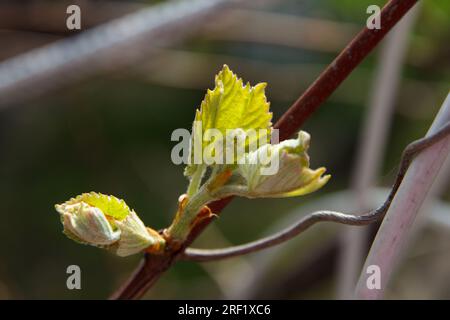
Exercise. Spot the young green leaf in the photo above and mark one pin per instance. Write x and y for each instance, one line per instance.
(230, 105)
(110, 205)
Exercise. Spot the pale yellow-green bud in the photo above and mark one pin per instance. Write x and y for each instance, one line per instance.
(287, 173)
(87, 224)
(107, 222)
(276, 171)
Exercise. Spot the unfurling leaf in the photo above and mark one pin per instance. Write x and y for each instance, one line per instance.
(230, 105)
(284, 173)
(106, 222)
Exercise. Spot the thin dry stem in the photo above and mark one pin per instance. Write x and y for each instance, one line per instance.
(321, 216)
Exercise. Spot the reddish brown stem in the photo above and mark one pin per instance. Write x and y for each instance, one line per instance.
(340, 68)
(153, 266)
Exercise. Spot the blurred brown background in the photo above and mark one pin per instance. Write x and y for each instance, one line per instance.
(110, 132)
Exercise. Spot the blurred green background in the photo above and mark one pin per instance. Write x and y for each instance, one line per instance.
(111, 133)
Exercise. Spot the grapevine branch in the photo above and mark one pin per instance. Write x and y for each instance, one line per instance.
(290, 232)
(340, 68)
(153, 266)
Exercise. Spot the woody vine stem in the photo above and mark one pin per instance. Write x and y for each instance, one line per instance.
(153, 266)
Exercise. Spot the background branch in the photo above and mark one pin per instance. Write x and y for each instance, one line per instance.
(104, 47)
(395, 229)
(371, 148)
